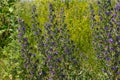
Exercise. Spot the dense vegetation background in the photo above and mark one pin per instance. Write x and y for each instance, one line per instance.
(59, 40)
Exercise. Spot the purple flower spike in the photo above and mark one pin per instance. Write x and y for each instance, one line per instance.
(113, 68)
(108, 59)
(20, 34)
(52, 43)
(110, 40)
(25, 39)
(118, 73)
(92, 11)
(117, 7)
(118, 37)
(49, 57)
(45, 45)
(106, 27)
(34, 55)
(114, 15)
(35, 33)
(23, 28)
(113, 20)
(47, 39)
(109, 34)
(101, 18)
(118, 23)
(56, 53)
(108, 12)
(112, 49)
(23, 45)
(33, 25)
(58, 60)
(118, 29)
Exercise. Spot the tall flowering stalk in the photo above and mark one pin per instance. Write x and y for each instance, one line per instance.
(38, 42)
(59, 48)
(51, 44)
(24, 46)
(106, 37)
(36, 29)
(29, 64)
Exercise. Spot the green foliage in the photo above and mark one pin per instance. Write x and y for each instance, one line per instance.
(77, 18)
(78, 21)
(7, 21)
(7, 26)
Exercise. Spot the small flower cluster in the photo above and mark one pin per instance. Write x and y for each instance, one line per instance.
(107, 37)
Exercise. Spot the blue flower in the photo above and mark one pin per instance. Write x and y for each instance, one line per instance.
(20, 34)
(118, 72)
(108, 59)
(34, 55)
(106, 27)
(49, 57)
(117, 7)
(118, 29)
(53, 43)
(56, 53)
(33, 25)
(114, 15)
(23, 28)
(108, 12)
(110, 40)
(25, 39)
(118, 37)
(58, 60)
(118, 23)
(113, 68)
(36, 33)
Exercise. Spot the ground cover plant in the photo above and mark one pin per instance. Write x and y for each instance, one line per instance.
(60, 40)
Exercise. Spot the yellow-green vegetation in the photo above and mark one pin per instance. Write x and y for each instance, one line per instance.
(77, 17)
(78, 20)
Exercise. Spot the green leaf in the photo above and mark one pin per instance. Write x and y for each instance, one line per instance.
(11, 9)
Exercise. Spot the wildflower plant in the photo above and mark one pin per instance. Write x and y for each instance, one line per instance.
(53, 46)
(106, 37)
(30, 52)
(59, 48)
(28, 65)
(52, 51)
